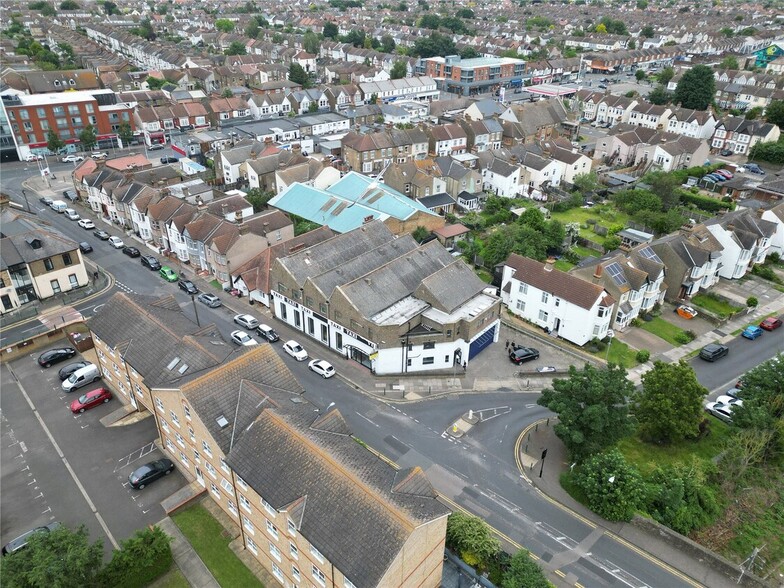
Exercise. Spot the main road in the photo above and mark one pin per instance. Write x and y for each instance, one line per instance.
(478, 471)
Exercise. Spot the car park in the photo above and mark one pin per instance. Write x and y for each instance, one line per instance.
(246, 321)
(295, 350)
(322, 368)
(150, 262)
(243, 339)
(86, 223)
(169, 159)
(53, 356)
(210, 300)
(71, 214)
(131, 251)
(21, 542)
(268, 333)
(751, 332)
(72, 158)
(523, 354)
(149, 472)
(91, 399)
(116, 242)
(66, 371)
(714, 351)
(85, 247)
(188, 287)
(771, 323)
(102, 235)
(168, 274)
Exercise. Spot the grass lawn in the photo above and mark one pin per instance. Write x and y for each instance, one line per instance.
(620, 354)
(208, 539)
(217, 284)
(172, 579)
(716, 306)
(646, 456)
(563, 265)
(585, 252)
(664, 330)
(604, 214)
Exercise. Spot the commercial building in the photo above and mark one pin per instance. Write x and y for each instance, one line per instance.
(468, 77)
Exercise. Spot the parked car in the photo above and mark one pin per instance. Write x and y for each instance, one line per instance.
(752, 332)
(99, 155)
(82, 377)
(86, 223)
(268, 333)
(523, 354)
(116, 242)
(85, 247)
(242, 338)
(91, 399)
(71, 214)
(169, 159)
(771, 323)
(725, 152)
(736, 392)
(168, 274)
(72, 158)
(32, 158)
(726, 173)
(150, 262)
(728, 400)
(71, 368)
(102, 235)
(295, 350)
(70, 195)
(714, 351)
(45, 200)
(322, 368)
(210, 300)
(755, 169)
(53, 356)
(156, 147)
(21, 542)
(149, 472)
(720, 411)
(246, 321)
(188, 286)
(131, 251)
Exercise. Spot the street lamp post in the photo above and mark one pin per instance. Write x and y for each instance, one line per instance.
(610, 335)
(541, 468)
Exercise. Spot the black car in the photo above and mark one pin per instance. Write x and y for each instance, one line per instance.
(47, 358)
(188, 286)
(169, 159)
(713, 351)
(149, 472)
(268, 333)
(71, 368)
(725, 152)
(131, 251)
(45, 200)
(21, 542)
(523, 354)
(70, 195)
(85, 247)
(150, 262)
(102, 235)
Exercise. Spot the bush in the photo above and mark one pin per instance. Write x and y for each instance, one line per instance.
(705, 203)
(682, 337)
(773, 257)
(523, 571)
(635, 322)
(766, 273)
(642, 356)
(140, 560)
(613, 487)
(752, 302)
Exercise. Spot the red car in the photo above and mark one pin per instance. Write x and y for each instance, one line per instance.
(770, 323)
(91, 399)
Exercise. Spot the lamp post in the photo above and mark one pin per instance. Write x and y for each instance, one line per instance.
(541, 468)
(610, 335)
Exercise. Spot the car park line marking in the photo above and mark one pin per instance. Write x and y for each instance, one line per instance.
(23, 447)
(62, 457)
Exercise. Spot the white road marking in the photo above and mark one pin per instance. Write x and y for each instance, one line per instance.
(367, 419)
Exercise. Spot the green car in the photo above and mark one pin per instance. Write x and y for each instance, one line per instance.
(168, 274)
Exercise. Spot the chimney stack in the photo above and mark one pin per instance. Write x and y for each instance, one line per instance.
(597, 274)
(549, 264)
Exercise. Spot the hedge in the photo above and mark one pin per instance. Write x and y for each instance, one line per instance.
(140, 560)
(705, 203)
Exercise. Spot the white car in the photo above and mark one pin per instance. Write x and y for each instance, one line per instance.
(728, 400)
(720, 411)
(242, 338)
(86, 223)
(246, 321)
(72, 158)
(322, 368)
(34, 158)
(99, 155)
(71, 214)
(295, 350)
(116, 242)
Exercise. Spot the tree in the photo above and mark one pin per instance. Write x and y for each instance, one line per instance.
(647, 32)
(640, 75)
(592, 408)
(586, 183)
(420, 234)
(125, 133)
(523, 571)
(659, 95)
(471, 538)
(311, 43)
(468, 53)
(613, 487)
(387, 44)
(69, 5)
(601, 29)
(259, 198)
(87, 137)
(399, 70)
(227, 93)
(665, 75)
(434, 45)
(642, 4)
(666, 187)
(145, 556)
(696, 88)
(330, 30)
(224, 25)
(669, 406)
(252, 28)
(53, 142)
(62, 558)
(298, 75)
(155, 83)
(110, 8)
(235, 48)
(730, 62)
(774, 113)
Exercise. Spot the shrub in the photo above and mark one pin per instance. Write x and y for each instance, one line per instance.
(705, 203)
(140, 560)
(613, 487)
(682, 337)
(773, 257)
(766, 273)
(635, 322)
(752, 302)
(642, 356)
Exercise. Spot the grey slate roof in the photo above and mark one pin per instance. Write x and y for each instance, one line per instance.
(17, 248)
(436, 200)
(450, 287)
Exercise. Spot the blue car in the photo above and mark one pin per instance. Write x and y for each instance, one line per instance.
(752, 332)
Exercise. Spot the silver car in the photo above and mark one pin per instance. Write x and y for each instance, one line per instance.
(210, 300)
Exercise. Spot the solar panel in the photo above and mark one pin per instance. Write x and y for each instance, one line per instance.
(649, 253)
(616, 273)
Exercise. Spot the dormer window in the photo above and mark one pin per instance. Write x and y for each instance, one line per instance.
(57, 82)
(71, 83)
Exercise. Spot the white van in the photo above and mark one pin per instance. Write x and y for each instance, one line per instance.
(58, 206)
(81, 377)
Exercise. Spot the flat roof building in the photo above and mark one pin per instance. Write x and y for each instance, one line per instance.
(469, 77)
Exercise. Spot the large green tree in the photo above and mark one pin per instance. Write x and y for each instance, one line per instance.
(330, 30)
(524, 572)
(224, 25)
(774, 113)
(399, 70)
(88, 138)
(471, 538)
(259, 198)
(592, 408)
(311, 43)
(669, 406)
(53, 142)
(659, 95)
(614, 488)
(252, 28)
(298, 75)
(125, 133)
(696, 88)
(62, 558)
(235, 48)
(434, 45)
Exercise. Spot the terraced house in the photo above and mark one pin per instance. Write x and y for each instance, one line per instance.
(312, 505)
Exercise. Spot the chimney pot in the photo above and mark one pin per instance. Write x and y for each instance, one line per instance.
(599, 270)
(549, 264)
